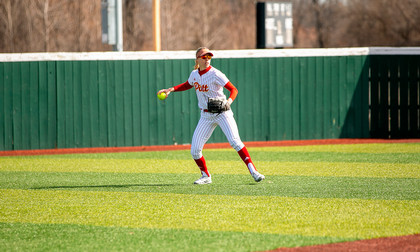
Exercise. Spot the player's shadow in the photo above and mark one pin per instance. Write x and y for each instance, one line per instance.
(103, 186)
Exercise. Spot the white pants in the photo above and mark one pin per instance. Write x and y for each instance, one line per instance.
(205, 127)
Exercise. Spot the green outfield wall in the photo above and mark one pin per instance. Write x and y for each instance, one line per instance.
(72, 100)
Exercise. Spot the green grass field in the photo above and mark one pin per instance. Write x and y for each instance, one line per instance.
(146, 201)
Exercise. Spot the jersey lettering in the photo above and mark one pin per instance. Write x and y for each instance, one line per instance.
(201, 88)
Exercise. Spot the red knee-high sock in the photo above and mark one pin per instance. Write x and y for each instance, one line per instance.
(243, 153)
(201, 163)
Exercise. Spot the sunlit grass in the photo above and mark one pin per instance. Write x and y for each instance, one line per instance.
(311, 195)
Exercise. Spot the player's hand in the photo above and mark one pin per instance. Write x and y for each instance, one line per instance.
(166, 91)
(227, 104)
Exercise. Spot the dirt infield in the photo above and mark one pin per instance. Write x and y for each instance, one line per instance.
(207, 146)
(407, 243)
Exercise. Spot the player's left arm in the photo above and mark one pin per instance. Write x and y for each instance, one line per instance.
(233, 92)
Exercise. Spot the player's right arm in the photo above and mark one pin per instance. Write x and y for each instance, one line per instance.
(181, 87)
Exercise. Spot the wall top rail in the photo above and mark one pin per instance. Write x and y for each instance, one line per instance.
(260, 53)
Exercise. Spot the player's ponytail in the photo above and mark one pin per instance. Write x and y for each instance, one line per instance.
(196, 66)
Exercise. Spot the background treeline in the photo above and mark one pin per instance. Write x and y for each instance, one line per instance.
(75, 25)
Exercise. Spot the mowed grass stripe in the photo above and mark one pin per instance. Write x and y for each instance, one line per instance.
(358, 153)
(346, 218)
(285, 186)
(59, 237)
(337, 169)
(376, 148)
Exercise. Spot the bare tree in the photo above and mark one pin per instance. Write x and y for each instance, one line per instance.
(85, 26)
(47, 12)
(219, 24)
(137, 25)
(173, 16)
(241, 30)
(373, 23)
(8, 24)
(318, 23)
(75, 25)
(50, 25)
(299, 14)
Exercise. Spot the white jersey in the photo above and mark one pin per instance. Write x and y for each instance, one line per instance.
(208, 85)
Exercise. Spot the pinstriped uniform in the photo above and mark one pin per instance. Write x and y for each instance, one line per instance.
(210, 85)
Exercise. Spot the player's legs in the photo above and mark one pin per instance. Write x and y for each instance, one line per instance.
(243, 153)
(202, 133)
(205, 175)
(228, 125)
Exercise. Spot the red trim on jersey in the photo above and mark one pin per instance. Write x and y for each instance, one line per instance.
(204, 71)
(232, 89)
(182, 87)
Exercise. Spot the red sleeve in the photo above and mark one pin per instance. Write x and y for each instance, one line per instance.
(232, 89)
(183, 86)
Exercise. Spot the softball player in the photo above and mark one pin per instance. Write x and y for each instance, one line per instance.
(208, 83)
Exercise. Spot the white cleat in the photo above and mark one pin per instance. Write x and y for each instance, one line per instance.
(257, 176)
(203, 180)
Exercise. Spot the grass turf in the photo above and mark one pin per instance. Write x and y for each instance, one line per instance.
(135, 201)
(283, 186)
(70, 237)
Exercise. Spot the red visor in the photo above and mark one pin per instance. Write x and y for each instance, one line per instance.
(205, 53)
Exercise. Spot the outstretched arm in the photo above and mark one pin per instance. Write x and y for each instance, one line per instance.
(181, 87)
